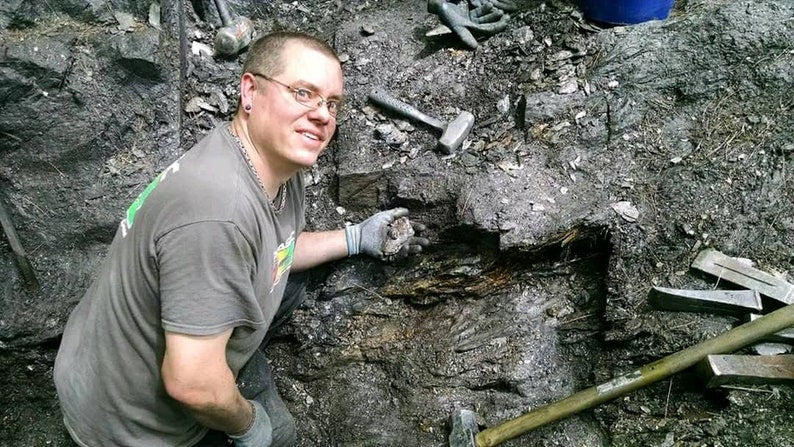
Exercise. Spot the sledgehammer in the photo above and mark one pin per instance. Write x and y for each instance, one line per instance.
(452, 134)
(464, 431)
(235, 34)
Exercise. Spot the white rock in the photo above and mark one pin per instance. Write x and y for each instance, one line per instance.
(503, 105)
(626, 210)
(568, 87)
(201, 49)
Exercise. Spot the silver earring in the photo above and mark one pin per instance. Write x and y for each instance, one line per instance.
(247, 107)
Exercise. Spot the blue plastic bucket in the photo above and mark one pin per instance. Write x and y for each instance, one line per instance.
(625, 12)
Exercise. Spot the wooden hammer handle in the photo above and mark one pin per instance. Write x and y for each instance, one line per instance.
(25, 267)
(223, 11)
(388, 102)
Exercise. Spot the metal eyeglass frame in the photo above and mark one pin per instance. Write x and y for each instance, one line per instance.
(309, 96)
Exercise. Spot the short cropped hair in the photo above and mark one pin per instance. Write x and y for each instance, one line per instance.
(266, 56)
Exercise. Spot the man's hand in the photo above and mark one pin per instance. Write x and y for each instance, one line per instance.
(369, 237)
(195, 373)
(260, 434)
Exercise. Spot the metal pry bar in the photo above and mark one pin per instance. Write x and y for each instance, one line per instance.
(724, 302)
(746, 369)
(727, 268)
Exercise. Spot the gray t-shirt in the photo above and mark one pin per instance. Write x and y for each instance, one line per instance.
(199, 251)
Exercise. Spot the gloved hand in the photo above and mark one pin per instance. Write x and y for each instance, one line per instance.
(457, 19)
(369, 236)
(261, 432)
(485, 13)
(504, 5)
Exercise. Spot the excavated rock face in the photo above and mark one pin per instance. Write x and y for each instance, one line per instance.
(600, 162)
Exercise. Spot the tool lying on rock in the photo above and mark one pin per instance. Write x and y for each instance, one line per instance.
(235, 34)
(731, 270)
(726, 302)
(465, 430)
(452, 134)
(740, 370)
(25, 268)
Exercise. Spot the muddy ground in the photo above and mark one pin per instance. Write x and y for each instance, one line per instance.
(602, 160)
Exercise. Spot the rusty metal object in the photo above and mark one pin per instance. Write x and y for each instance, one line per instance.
(727, 268)
(25, 267)
(400, 232)
(719, 370)
(725, 302)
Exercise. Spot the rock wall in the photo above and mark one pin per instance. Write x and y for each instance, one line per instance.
(600, 162)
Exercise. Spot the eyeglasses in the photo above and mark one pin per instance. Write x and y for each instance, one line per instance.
(308, 98)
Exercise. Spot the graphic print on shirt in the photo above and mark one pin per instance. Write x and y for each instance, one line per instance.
(282, 259)
(129, 219)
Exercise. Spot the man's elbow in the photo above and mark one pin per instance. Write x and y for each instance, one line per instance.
(193, 395)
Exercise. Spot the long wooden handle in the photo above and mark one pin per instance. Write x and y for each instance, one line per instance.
(730, 341)
(394, 105)
(223, 11)
(25, 267)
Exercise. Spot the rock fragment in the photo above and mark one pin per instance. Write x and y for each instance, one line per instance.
(400, 232)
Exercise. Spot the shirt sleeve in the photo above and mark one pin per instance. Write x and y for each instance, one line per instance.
(206, 279)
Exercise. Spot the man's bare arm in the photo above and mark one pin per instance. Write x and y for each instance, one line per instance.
(315, 248)
(196, 374)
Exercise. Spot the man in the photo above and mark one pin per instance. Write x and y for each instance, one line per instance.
(194, 279)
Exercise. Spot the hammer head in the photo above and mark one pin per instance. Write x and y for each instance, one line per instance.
(463, 429)
(234, 37)
(456, 132)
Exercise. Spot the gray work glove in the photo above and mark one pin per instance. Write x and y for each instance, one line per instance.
(368, 237)
(504, 5)
(261, 432)
(456, 18)
(486, 13)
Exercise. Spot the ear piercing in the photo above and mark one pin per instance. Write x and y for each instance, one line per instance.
(247, 107)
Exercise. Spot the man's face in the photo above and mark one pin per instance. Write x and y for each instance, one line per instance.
(288, 134)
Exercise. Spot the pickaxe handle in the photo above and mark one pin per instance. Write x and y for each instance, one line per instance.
(730, 341)
(394, 105)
